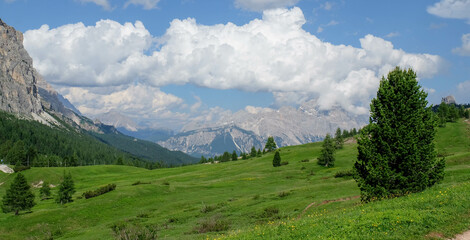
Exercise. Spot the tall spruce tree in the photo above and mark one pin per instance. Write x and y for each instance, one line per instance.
(327, 153)
(66, 190)
(253, 152)
(339, 140)
(45, 191)
(277, 159)
(270, 145)
(396, 150)
(19, 196)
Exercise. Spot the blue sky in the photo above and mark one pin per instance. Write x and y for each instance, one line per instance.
(173, 61)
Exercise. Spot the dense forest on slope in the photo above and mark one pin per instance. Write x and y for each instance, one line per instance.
(145, 149)
(35, 144)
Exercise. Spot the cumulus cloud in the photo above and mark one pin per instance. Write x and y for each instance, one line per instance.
(465, 49)
(457, 9)
(147, 4)
(135, 100)
(272, 54)
(103, 3)
(80, 55)
(260, 5)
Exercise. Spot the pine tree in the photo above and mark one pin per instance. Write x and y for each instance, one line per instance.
(253, 152)
(396, 150)
(19, 196)
(270, 145)
(66, 190)
(259, 154)
(327, 152)
(277, 159)
(234, 156)
(339, 140)
(45, 191)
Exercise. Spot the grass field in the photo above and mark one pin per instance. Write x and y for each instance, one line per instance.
(248, 199)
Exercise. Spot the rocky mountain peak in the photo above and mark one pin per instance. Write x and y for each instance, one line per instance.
(18, 79)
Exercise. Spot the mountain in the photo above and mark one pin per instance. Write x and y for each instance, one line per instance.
(25, 94)
(252, 126)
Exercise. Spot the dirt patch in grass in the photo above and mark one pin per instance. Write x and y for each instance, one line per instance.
(314, 204)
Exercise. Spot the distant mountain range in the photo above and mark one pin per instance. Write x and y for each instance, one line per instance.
(24, 93)
(252, 126)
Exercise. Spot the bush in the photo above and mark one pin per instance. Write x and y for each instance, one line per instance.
(270, 212)
(284, 163)
(212, 224)
(99, 191)
(305, 160)
(139, 182)
(19, 168)
(283, 194)
(345, 173)
(126, 231)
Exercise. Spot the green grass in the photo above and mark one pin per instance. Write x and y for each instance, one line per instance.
(248, 199)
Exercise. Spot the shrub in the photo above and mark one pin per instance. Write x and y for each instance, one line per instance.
(345, 173)
(305, 160)
(127, 231)
(99, 191)
(283, 194)
(139, 182)
(284, 163)
(212, 224)
(270, 212)
(19, 168)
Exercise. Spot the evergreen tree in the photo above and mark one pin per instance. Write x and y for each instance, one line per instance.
(259, 154)
(45, 191)
(442, 113)
(277, 159)
(203, 160)
(66, 190)
(226, 157)
(234, 156)
(18, 197)
(17, 154)
(346, 134)
(327, 152)
(270, 145)
(339, 140)
(244, 157)
(396, 150)
(120, 161)
(253, 152)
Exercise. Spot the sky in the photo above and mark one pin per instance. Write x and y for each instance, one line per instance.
(164, 63)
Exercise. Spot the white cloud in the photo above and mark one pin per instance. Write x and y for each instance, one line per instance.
(465, 49)
(147, 4)
(272, 54)
(392, 34)
(103, 3)
(464, 87)
(135, 100)
(260, 5)
(327, 6)
(80, 55)
(457, 9)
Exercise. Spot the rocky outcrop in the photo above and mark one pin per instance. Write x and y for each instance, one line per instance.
(19, 93)
(25, 93)
(449, 100)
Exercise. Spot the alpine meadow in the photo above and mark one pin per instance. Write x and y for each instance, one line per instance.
(234, 119)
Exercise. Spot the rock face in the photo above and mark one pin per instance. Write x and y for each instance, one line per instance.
(449, 100)
(252, 127)
(19, 93)
(24, 92)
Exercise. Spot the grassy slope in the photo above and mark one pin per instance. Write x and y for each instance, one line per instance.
(238, 192)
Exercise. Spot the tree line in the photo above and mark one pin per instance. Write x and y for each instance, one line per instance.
(270, 146)
(32, 144)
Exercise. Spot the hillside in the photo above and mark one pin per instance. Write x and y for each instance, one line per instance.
(249, 199)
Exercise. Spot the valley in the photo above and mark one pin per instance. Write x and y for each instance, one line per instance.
(248, 199)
